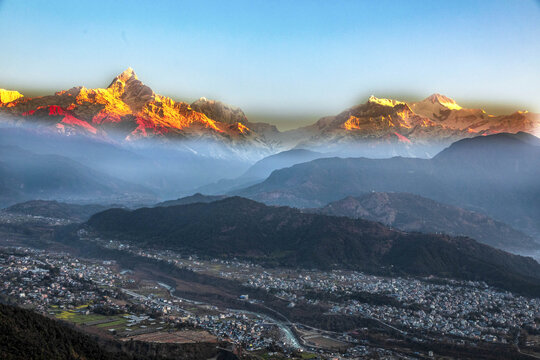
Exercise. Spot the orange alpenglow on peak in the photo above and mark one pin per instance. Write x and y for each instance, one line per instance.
(384, 102)
(7, 96)
(444, 101)
(129, 101)
(128, 109)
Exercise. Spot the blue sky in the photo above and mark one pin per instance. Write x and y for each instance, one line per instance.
(283, 57)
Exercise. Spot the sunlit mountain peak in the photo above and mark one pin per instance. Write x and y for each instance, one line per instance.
(127, 74)
(384, 102)
(444, 101)
(131, 90)
(7, 96)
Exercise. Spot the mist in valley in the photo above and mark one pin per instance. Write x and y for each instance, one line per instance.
(493, 176)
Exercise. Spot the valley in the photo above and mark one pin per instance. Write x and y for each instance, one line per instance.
(269, 180)
(166, 296)
(405, 271)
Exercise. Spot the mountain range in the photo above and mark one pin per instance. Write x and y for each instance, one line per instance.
(261, 170)
(413, 213)
(129, 111)
(25, 175)
(127, 144)
(495, 175)
(382, 127)
(238, 227)
(192, 199)
(163, 170)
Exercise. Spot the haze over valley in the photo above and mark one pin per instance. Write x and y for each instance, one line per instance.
(167, 190)
(404, 191)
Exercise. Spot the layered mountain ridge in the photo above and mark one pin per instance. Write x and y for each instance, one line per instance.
(409, 212)
(496, 175)
(26, 175)
(128, 110)
(242, 228)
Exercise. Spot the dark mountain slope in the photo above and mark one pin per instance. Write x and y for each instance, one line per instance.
(321, 181)
(242, 227)
(195, 198)
(26, 335)
(496, 175)
(285, 236)
(411, 212)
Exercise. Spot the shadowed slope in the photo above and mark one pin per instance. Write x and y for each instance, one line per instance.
(237, 227)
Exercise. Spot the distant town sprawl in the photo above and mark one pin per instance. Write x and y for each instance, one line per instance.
(103, 295)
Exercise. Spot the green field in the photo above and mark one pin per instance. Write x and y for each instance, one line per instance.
(76, 317)
(113, 324)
